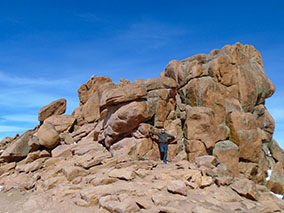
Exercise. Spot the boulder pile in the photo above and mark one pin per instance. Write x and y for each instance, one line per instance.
(103, 157)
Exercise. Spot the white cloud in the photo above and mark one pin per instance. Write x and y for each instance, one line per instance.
(24, 98)
(23, 81)
(6, 128)
(20, 118)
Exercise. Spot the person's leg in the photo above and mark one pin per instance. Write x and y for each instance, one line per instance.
(165, 153)
(161, 151)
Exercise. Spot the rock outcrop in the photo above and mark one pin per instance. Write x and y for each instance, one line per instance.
(103, 155)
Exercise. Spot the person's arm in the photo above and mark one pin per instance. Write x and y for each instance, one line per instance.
(154, 133)
(171, 136)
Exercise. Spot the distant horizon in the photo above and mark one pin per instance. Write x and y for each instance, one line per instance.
(50, 48)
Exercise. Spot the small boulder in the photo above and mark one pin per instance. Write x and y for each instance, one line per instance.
(61, 122)
(206, 160)
(126, 93)
(124, 173)
(119, 203)
(246, 188)
(177, 187)
(72, 172)
(228, 153)
(62, 151)
(48, 135)
(57, 107)
(19, 148)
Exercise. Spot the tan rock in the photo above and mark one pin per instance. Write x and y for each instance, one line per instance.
(35, 165)
(142, 131)
(103, 181)
(7, 167)
(194, 148)
(201, 125)
(144, 202)
(119, 203)
(124, 148)
(34, 143)
(194, 178)
(206, 160)
(78, 115)
(265, 122)
(129, 92)
(277, 174)
(19, 148)
(156, 83)
(88, 89)
(245, 188)
(162, 198)
(275, 187)
(91, 109)
(228, 153)
(254, 171)
(122, 120)
(160, 103)
(72, 172)
(66, 137)
(244, 133)
(144, 145)
(57, 107)
(223, 181)
(88, 146)
(206, 181)
(83, 131)
(62, 151)
(223, 132)
(177, 187)
(92, 158)
(175, 71)
(174, 127)
(36, 155)
(123, 174)
(48, 135)
(61, 123)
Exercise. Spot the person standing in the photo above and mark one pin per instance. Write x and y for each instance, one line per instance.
(163, 143)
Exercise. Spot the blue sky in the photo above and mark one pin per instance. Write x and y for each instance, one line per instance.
(49, 48)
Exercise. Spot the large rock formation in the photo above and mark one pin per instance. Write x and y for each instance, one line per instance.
(214, 104)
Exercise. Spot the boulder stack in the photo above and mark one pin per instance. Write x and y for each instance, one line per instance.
(215, 106)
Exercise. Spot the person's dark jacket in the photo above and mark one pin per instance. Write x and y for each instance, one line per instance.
(163, 137)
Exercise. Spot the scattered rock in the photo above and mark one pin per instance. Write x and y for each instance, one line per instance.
(124, 173)
(61, 123)
(19, 148)
(48, 136)
(228, 154)
(177, 187)
(71, 172)
(62, 151)
(57, 107)
(245, 188)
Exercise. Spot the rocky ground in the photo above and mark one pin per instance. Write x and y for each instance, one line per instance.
(103, 157)
(135, 186)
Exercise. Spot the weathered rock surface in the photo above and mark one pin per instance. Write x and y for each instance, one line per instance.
(245, 188)
(103, 157)
(61, 123)
(122, 120)
(57, 107)
(48, 136)
(19, 148)
(228, 154)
